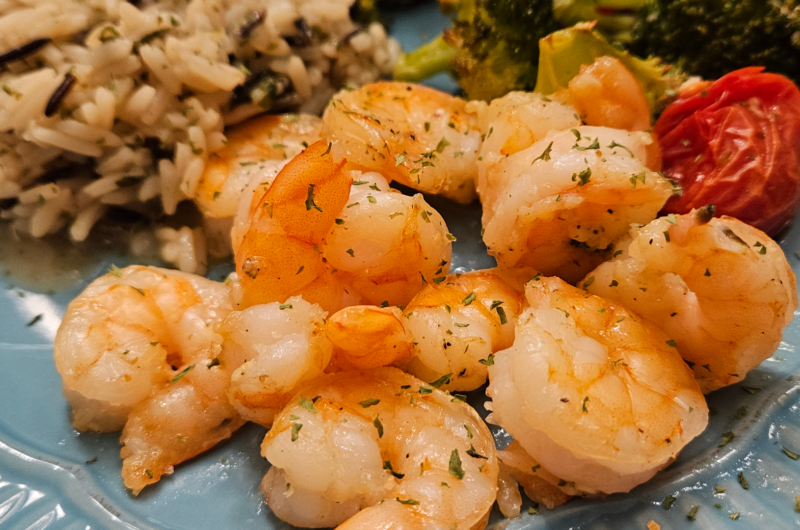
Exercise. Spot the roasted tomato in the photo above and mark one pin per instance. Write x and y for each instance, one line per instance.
(735, 143)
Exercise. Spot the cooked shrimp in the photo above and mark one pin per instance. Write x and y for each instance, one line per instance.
(136, 348)
(415, 135)
(379, 449)
(310, 234)
(252, 151)
(448, 332)
(561, 204)
(274, 347)
(606, 94)
(721, 289)
(384, 244)
(593, 393)
(520, 469)
(518, 120)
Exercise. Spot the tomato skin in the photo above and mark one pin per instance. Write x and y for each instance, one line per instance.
(735, 143)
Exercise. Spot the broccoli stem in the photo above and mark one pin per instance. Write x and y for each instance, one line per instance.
(426, 61)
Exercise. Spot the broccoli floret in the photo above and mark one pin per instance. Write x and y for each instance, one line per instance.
(712, 37)
(564, 52)
(615, 18)
(495, 46)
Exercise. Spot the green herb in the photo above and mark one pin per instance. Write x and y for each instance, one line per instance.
(668, 501)
(582, 177)
(285, 306)
(733, 516)
(407, 502)
(296, 430)
(489, 361)
(640, 177)
(450, 237)
(672, 344)
(427, 126)
(719, 489)
(182, 439)
(588, 282)
(308, 405)
(395, 214)
(300, 270)
(692, 513)
(502, 314)
(444, 380)
(594, 145)
(425, 390)
(666, 236)
(495, 304)
(424, 216)
(545, 156)
(183, 373)
(387, 465)
(214, 362)
(459, 398)
(148, 473)
(378, 425)
(328, 150)
(742, 481)
(471, 297)
(109, 34)
(727, 437)
(367, 403)
(790, 454)
(399, 159)
(34, 320)
(469, 430)
(475, 454)
(751, 390)
(113, 270)
(339, 221)
(583, 407)
(614, 144)
(455, 465)
(442, 144)
(460, 325)
(350, 251)
(138, 290)
(310, 199)
(91, 461)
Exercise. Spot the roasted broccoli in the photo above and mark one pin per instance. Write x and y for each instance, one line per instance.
(564, 52)
(710, 38)
(615, 18)
(496, 45)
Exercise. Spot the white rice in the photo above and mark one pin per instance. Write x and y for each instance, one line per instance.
(157, 73)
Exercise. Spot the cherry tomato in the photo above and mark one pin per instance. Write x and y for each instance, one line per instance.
(735, 143)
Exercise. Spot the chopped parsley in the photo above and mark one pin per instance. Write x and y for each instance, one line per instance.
(444, 380)
(471, 297)
(489, 361)
(183, 373)
(367, 403)
(307, 404)
(455, 467)
(310, 199)
(296, 430)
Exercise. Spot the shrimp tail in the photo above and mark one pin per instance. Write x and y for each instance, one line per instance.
(366, 337)
(279, 256)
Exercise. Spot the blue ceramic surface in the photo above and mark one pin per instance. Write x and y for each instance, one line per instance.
(53, 477)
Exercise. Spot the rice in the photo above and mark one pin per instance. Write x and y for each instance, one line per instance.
(140, 92)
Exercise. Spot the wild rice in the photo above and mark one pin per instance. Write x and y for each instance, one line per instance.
(140, 95)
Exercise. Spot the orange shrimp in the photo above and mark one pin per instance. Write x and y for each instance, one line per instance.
(279, 255)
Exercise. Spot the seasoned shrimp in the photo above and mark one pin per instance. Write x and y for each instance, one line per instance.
(593, 393)
(606, 94)
(274, 347)
(415, 135)
(518, 120)
(448, 332)
(254, 154)
(720, 288)
(562, 203)
(311, 234)
(379, 449)
(136, 349)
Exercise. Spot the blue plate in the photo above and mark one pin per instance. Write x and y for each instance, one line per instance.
(53, 477)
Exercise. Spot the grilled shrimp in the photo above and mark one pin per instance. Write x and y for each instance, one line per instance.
(561, 204)
(137, 349)
(311, 235)
(597, 396)
(252, 150)
(448, 332)
(720, 288)
(606, 94)
(275, 347)
(415, 135)
(379, 449)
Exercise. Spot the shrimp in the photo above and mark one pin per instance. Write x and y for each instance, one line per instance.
(311, 234)
(516, 121)
(606, 94)
(720, 288)
(253, 150)
(136, 349)
(596, 395)
(275, 347)
(253, 156)
(415, 135)
(447, 334)
(561, 204)
(379, 449)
